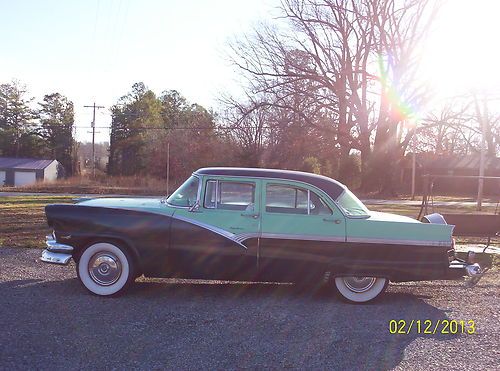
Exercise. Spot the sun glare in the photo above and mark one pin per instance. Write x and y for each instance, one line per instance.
(463, 53)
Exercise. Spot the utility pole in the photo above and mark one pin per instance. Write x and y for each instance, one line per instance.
(481, 117)
(93, 135)
(168, 168)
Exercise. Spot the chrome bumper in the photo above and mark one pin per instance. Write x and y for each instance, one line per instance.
(56, 253)
(469, 269)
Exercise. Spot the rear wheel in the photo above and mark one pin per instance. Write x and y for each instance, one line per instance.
(105, 269)
(356, 289)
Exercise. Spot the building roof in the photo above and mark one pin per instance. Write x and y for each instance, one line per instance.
(24, 163)
(330, 186)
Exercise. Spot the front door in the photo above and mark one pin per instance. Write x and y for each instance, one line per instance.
(229, 212)
(301, 231)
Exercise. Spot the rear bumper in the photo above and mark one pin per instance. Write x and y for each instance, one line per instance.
(56, 253)
(459, 269)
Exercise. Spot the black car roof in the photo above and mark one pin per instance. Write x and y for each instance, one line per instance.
(330, 186)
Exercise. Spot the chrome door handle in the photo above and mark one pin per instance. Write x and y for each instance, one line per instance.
(255, 216)
(336, 221)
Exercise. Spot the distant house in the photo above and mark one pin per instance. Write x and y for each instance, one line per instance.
(466, 165)
(25, 171)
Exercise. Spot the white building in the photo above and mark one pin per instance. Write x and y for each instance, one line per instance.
(25, 171)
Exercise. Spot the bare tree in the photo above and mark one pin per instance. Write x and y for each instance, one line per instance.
(357, 59)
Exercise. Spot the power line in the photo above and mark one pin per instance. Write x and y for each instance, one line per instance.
(184, 127)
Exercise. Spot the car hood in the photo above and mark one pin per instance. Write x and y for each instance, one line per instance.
(387, 217)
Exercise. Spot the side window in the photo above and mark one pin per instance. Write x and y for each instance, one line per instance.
(286, 199)
(318, 206)
(210, 189)
(227, 195)
(294, 200)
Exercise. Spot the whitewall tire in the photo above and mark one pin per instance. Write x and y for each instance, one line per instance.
(105, 269)
(360, 289)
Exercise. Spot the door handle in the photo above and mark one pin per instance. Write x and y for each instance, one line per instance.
(336, 221)
(254, 216)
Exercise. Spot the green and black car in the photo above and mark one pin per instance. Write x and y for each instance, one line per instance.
(251, 224)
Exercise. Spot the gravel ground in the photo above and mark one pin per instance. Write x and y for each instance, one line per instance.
(48, 321)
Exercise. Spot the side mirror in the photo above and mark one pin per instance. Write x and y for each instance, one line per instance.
(195, 207)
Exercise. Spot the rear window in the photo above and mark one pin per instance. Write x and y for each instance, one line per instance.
(294, 200)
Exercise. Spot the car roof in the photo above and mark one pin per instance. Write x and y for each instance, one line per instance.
(333, 188)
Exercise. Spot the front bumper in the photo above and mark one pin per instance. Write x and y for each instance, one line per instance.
(56, 253)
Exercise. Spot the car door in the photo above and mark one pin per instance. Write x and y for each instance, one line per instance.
(230, 209)
(302, 229)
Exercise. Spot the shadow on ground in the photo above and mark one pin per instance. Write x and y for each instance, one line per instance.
(57, 324)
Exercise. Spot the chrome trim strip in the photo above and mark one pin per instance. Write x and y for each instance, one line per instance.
(305, 237)
(242, 237)
(211, 228)
(55, 258)
(398, 242)
(246, 236)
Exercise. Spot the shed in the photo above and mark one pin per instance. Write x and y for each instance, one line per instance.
(24, 171)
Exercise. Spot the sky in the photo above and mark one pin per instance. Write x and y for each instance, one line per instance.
(94, 50)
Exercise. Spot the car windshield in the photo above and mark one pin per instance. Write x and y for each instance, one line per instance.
(351, 205)
(186, 194)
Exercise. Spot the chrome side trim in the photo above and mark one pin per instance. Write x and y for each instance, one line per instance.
(305, 237)
(211, 228)
(55, 258)
(398, 242)
(246, 236)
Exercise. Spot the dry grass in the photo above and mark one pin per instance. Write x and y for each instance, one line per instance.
(22, 220)
(102, 184)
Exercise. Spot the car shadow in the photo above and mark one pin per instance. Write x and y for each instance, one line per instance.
(253, 324)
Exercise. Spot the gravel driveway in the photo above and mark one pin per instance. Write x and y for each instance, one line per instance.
(48, 321)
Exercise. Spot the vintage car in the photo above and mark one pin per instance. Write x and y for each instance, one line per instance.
(251, 224)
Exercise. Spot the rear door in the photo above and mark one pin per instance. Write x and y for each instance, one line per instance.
(302, 229)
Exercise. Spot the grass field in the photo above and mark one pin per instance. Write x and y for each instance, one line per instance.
(22, 220)
(101, 184)
(23, 223)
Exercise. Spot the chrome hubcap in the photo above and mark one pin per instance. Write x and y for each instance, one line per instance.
(359, 284)
(105, 268)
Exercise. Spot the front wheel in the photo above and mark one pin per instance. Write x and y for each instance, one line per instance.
(360, 289)
(105, 269)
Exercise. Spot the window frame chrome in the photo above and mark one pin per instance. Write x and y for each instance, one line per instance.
(253, 183)
(200, 182)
